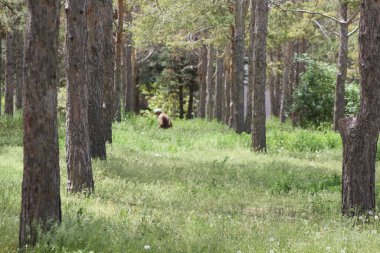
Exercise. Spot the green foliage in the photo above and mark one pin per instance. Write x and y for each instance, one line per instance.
(352, 99)
(314, 97)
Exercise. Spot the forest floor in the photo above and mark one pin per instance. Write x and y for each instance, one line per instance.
(196, 188)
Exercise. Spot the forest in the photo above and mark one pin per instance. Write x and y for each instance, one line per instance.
(189, 126)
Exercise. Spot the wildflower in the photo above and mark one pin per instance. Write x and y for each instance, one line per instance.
(370, 212)
(147, 247)
(238, 251)
(360, 218)
(376, 217)
(271, 239)
(271, 251)
(373, 232)
(328, 248)
(342, 251)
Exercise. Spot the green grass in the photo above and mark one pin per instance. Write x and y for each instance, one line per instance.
(196, 188)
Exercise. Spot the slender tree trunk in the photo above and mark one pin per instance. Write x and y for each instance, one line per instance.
(218, 101)
(109, 64)
(79, 170)
(339, 106)
(259, 76)
(272, 91)
(94, 69)
(1, 70)
(227, 83)
(119, 44)
(19, 56)
(129, 96)
(191, 102)
(9, 74)
(181, 102)
(135, 72)
(360, 134)
(285, 83)
(210, 83)
(202, 73)
(239, 55)
(41, 202)
(248, 120)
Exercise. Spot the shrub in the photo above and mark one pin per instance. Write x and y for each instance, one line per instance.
(314, 97)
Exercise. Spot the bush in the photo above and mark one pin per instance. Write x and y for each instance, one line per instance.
(352, 99)
(314, 97)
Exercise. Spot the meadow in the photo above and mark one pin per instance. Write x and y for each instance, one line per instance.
(196, 188)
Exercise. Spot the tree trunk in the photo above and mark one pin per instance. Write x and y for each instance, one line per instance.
(1, 70)
(41, 202)
(259, 76)
(191, 102)
(9, 74)
(19, 56)
(218, 100)
(339, 106)
(129, 96)
(94, 70)
(79, 170)
(285, 83)
(210, 83)
(227, 83)
(239, 55)
(248, 120)
(135, 75)
(272, 92)
(119, 44)
(360, 135)
(202, 73)
(181, 102)
(109, 64)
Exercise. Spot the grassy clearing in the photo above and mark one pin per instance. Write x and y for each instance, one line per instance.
(197, 188)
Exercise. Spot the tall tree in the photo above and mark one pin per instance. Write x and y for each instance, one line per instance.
(202, 73)
(129, 96)
(109, 64)
(9, 74)
(218, 100)
(227, 83)
(41, 202)
(360, 134)
(1, 68)
(210, 83)
(79, 170)
(94, 69)
(248, 120)
(288, 53)
(259, 75)
(119, 49)
(339, 106)
(239, 54)
(19, 62)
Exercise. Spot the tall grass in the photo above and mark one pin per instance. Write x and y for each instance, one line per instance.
(197, 188)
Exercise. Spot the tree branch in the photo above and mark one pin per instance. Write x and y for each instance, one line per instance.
(353, 31)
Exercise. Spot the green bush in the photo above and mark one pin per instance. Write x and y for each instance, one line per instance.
(314, 97)
(352, 99)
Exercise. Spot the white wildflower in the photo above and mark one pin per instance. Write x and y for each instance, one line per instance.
(370, 212)
(342, 251)
(271, 251)
(328, 248)
(376, 217)
(147, 247)
(271, 239)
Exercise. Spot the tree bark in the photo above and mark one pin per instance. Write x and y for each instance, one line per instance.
(248, 120)
(181, 102)
(239, 55)
(227, 83)
(119, 44)
(210, 83)
(109, 64)
(190, 104)
(259, 76)
(1, 70)
(9, 74)
(360, 134)
(285, 83)
(79, 170)
(41, 202)
(94, 69)
(202, 73)
(218, 100)
(19, 62)
(339, 106)
(129, 96)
